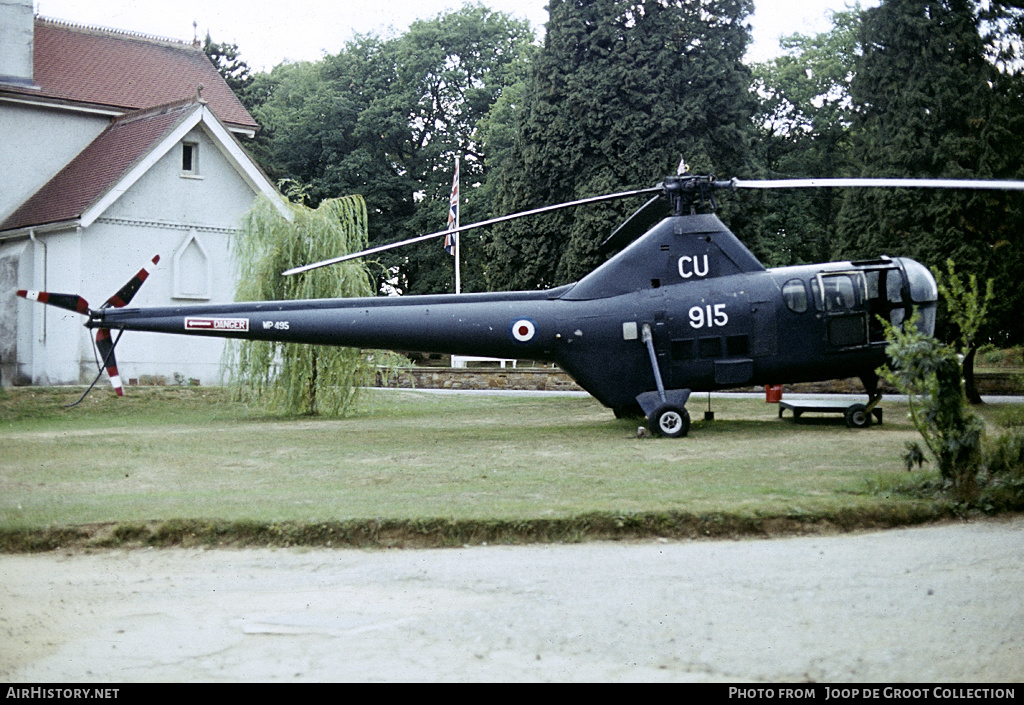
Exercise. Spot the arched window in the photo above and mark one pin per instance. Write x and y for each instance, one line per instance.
(191, 266)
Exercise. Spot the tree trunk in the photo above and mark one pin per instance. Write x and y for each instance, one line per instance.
(311, 389)
(969, 386)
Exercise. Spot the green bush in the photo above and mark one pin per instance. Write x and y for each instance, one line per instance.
(991, 356)
(929, 373)
(1001, 482)
(1005, 454)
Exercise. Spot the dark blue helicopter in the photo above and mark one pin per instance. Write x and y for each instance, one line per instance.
(685, 307)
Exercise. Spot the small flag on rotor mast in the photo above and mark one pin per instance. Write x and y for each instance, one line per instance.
(453, 213)
(451, 240)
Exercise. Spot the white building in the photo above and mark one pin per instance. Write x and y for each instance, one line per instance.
(115, 147)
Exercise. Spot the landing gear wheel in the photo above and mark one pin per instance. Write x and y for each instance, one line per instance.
(670, 421)
(858, 416)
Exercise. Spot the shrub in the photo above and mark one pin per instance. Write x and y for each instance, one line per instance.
(929, 373)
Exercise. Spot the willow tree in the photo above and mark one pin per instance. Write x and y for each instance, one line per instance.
(290, 377)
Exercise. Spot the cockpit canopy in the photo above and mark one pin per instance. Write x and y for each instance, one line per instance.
(854, 296)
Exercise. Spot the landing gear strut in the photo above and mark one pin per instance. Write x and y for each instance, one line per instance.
(665, 409)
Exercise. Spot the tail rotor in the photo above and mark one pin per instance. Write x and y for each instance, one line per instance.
(105, 343)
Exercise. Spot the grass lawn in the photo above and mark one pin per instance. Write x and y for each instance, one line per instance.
(188, 454)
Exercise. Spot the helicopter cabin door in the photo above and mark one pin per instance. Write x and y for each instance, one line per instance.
(888, 299)
(843, 298)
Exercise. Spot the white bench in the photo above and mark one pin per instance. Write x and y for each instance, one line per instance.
(461, 360)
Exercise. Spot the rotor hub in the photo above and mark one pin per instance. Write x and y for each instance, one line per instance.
(689, 193)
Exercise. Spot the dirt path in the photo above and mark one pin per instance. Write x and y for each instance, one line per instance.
(939, 603)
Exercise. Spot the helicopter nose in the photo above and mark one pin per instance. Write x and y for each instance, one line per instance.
(924, 293)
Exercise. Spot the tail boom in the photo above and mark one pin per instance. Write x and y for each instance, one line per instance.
(464, 324)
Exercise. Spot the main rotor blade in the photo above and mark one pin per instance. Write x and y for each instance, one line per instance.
(637, 224)
(880, 183)
(492, 221)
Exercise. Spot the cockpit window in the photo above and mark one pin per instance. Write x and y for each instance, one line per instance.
(885, 298)
(894, 293)
(894, 286)
(794, 293)
(843, 292)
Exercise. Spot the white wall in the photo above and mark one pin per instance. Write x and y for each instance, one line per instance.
(164, 213)
(16, 40)
(38, 143)
(50, 339)
(15, 273)
(217, 197)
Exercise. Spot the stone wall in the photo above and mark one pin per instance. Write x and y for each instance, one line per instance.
(477, 378)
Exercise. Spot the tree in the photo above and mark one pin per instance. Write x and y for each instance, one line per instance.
(618, 93)
(930, 102)
(966, 307)
(1002, 23)
(300, 379)
(386, 118)
(229, 64)
(804, 124)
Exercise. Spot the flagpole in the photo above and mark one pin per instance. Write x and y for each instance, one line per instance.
(458, 215)
(451, 244)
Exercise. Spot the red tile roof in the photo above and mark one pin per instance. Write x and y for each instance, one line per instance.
(80, 184)
(125, 71)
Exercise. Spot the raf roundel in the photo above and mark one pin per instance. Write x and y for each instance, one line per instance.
(523, 330)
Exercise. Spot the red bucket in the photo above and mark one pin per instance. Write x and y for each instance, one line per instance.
(772, 393)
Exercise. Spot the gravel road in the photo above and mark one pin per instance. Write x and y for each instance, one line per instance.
(933, 604)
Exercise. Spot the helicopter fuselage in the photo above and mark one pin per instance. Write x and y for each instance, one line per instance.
(684, 307)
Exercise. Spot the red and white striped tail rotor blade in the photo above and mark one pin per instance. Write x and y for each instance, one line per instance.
(105, 346)
(127, 292)
(70, 302)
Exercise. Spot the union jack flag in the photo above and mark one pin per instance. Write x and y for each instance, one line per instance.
(453, 213)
